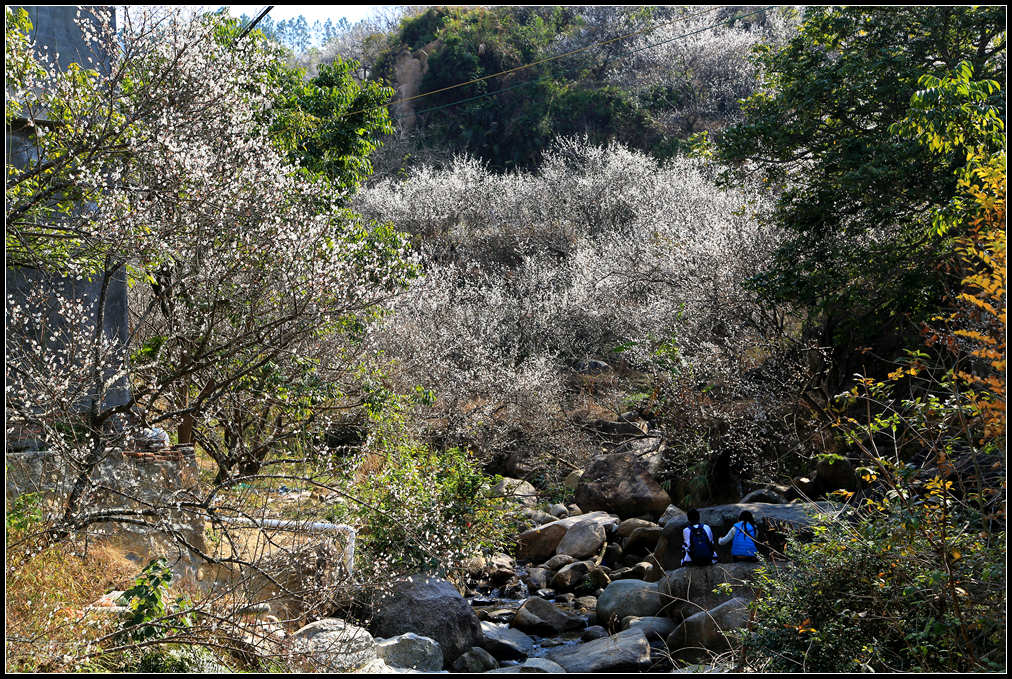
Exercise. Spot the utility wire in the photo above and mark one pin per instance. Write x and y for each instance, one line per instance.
(540, 61)
(253, 24)
(532, 82)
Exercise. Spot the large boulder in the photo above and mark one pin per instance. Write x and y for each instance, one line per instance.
(622, 484)
(704, 632)
(623, 598)
(582, 540)
(431, 607)
(654, 627)
(627, 651)
(689, 590)
(475, 661)
(721, 517)
(642, 540)
(411, 651)
(538, 616)
(570, 576)
(505, 642)
(540, 543)
(332, 645)
(650, 451)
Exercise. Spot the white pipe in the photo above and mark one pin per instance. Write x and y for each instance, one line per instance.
(319, 527)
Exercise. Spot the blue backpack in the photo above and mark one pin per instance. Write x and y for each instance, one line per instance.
(700, 547)
(744, 539)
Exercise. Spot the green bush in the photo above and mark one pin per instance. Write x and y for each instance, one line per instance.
(875, 595)
(426, 509)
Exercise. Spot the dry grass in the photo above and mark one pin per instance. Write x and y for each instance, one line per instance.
(46, 627)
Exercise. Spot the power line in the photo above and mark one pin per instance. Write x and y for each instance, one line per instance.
(532, 82)
(249, 28)
(540, 61)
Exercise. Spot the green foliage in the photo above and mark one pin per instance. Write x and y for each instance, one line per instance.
(152, 614)
(329, 123)
(916, 582)
(530, 107)
(878, 595)
(25, 512)
(181, 659)
(421, 508)
(429, 509)
(856, 197)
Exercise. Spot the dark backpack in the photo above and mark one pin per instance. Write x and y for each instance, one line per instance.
(700, 547)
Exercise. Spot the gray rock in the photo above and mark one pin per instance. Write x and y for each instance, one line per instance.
(643, 539)
(538, 616)
(594, 632)
(628, 597)
(626, 528)
(651, 571)
(431, 607)
(540, 543)
(531, 665)
(541, 665)
(574, 509)
(649, 450)
(673, 513)
(572, 480)
(412, 651)
(703, 633)
(570, 576)
(582, 540)
(586, 604)
(518, 490)
(654, 627)
(506, 643)
(620, 483)
(475, 660)
(767, 495)
(537, 544)
(623, 652)
(537, 578)
(536, 516)
(332, 645)
(558, 510)
(690, 590)
(558, 561)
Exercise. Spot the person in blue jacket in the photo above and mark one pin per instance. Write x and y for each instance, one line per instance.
(743, 534)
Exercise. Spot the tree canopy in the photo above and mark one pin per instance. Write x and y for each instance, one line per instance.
(856, 195)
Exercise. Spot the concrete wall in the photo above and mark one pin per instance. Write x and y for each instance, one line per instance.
(58, 34)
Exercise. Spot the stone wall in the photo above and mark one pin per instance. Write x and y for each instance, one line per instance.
(131, 479)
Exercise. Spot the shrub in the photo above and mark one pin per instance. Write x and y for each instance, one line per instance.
(602, 253)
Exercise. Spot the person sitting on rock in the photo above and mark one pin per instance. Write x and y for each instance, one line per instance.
(743, 534)
(697, 542)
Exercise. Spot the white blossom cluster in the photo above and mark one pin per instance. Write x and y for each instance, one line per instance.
(602, 249)
(701, 60)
